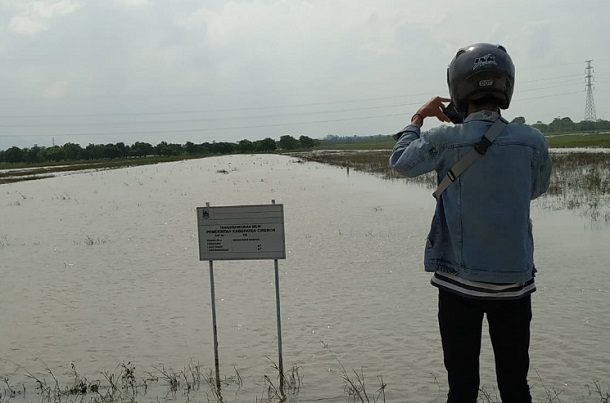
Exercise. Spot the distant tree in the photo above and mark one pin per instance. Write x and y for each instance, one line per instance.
(222, 147)
(265, 145)
(73, 151)
(176, 149)
(520, 120)
(140, 149)
(161, 148)
(190, 148)
(307, 142)
(586, 126)
(123, 149)
(603, 124)
(93, 152)
(167, 150)
(560, 125)
(541, 126)
(34, 154)
(14, 154)
(245, 146)
(205, 148)
(287, 142)
(55, 154)
(111, 151)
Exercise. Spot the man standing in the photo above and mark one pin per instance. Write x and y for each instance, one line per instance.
(480, 246)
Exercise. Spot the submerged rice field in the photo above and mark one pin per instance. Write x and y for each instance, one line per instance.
(580, 179)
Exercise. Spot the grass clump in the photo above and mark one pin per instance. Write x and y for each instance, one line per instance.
(291, 380)
(88, 240)
(354, 385)
(124, 385)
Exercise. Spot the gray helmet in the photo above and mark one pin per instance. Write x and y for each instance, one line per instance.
(478, 71)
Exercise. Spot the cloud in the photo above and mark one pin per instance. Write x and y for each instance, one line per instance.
(22, 24)
(131, 3)
(289, 40)
(33, 17)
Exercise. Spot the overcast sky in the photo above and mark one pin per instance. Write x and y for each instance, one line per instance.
(105, 71)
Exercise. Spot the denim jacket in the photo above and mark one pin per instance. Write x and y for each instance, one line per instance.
(481, 229)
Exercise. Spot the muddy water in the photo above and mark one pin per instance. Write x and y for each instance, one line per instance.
(102, 268)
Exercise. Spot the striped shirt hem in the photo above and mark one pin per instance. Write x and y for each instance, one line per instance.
(482, 290)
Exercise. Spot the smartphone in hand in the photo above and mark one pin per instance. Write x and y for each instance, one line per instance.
(453, 114)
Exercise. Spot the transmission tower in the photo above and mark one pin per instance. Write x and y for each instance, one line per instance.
(590, 103)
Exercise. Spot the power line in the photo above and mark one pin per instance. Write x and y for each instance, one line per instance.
(210, 119)
(186, 112)
(283, 106)
(205, 129)
(548, 79)
(244, 127)
(247, 117)
(560, 84)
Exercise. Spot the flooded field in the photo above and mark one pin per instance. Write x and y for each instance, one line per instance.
(101, 270)
(580, 180)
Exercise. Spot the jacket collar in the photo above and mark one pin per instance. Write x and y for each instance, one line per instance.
(483, 115)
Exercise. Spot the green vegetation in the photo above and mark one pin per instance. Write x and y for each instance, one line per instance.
(567, 140)
(579, 140)
(71, 152)
(376, 142)
(21, 164)
(566, 125)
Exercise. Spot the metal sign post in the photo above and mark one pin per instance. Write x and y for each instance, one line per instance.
(279, 327)
(214, 328)
(243, 233)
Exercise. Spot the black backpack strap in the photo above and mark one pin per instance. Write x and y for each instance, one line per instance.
(479, 150)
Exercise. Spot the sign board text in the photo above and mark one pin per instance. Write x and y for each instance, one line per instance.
(241, 232)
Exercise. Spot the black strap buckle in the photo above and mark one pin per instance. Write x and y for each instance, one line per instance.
(451, 175)
(482, 146)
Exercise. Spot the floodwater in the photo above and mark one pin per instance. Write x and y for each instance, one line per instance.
(102, 268)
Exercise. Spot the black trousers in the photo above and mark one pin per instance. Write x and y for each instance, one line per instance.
(460, 321)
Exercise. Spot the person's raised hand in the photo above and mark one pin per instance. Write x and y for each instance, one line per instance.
(433, 108)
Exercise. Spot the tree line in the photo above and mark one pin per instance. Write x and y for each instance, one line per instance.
(75, 152)
(561, 125)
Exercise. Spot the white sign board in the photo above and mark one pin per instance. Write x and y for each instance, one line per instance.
(241, 232)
